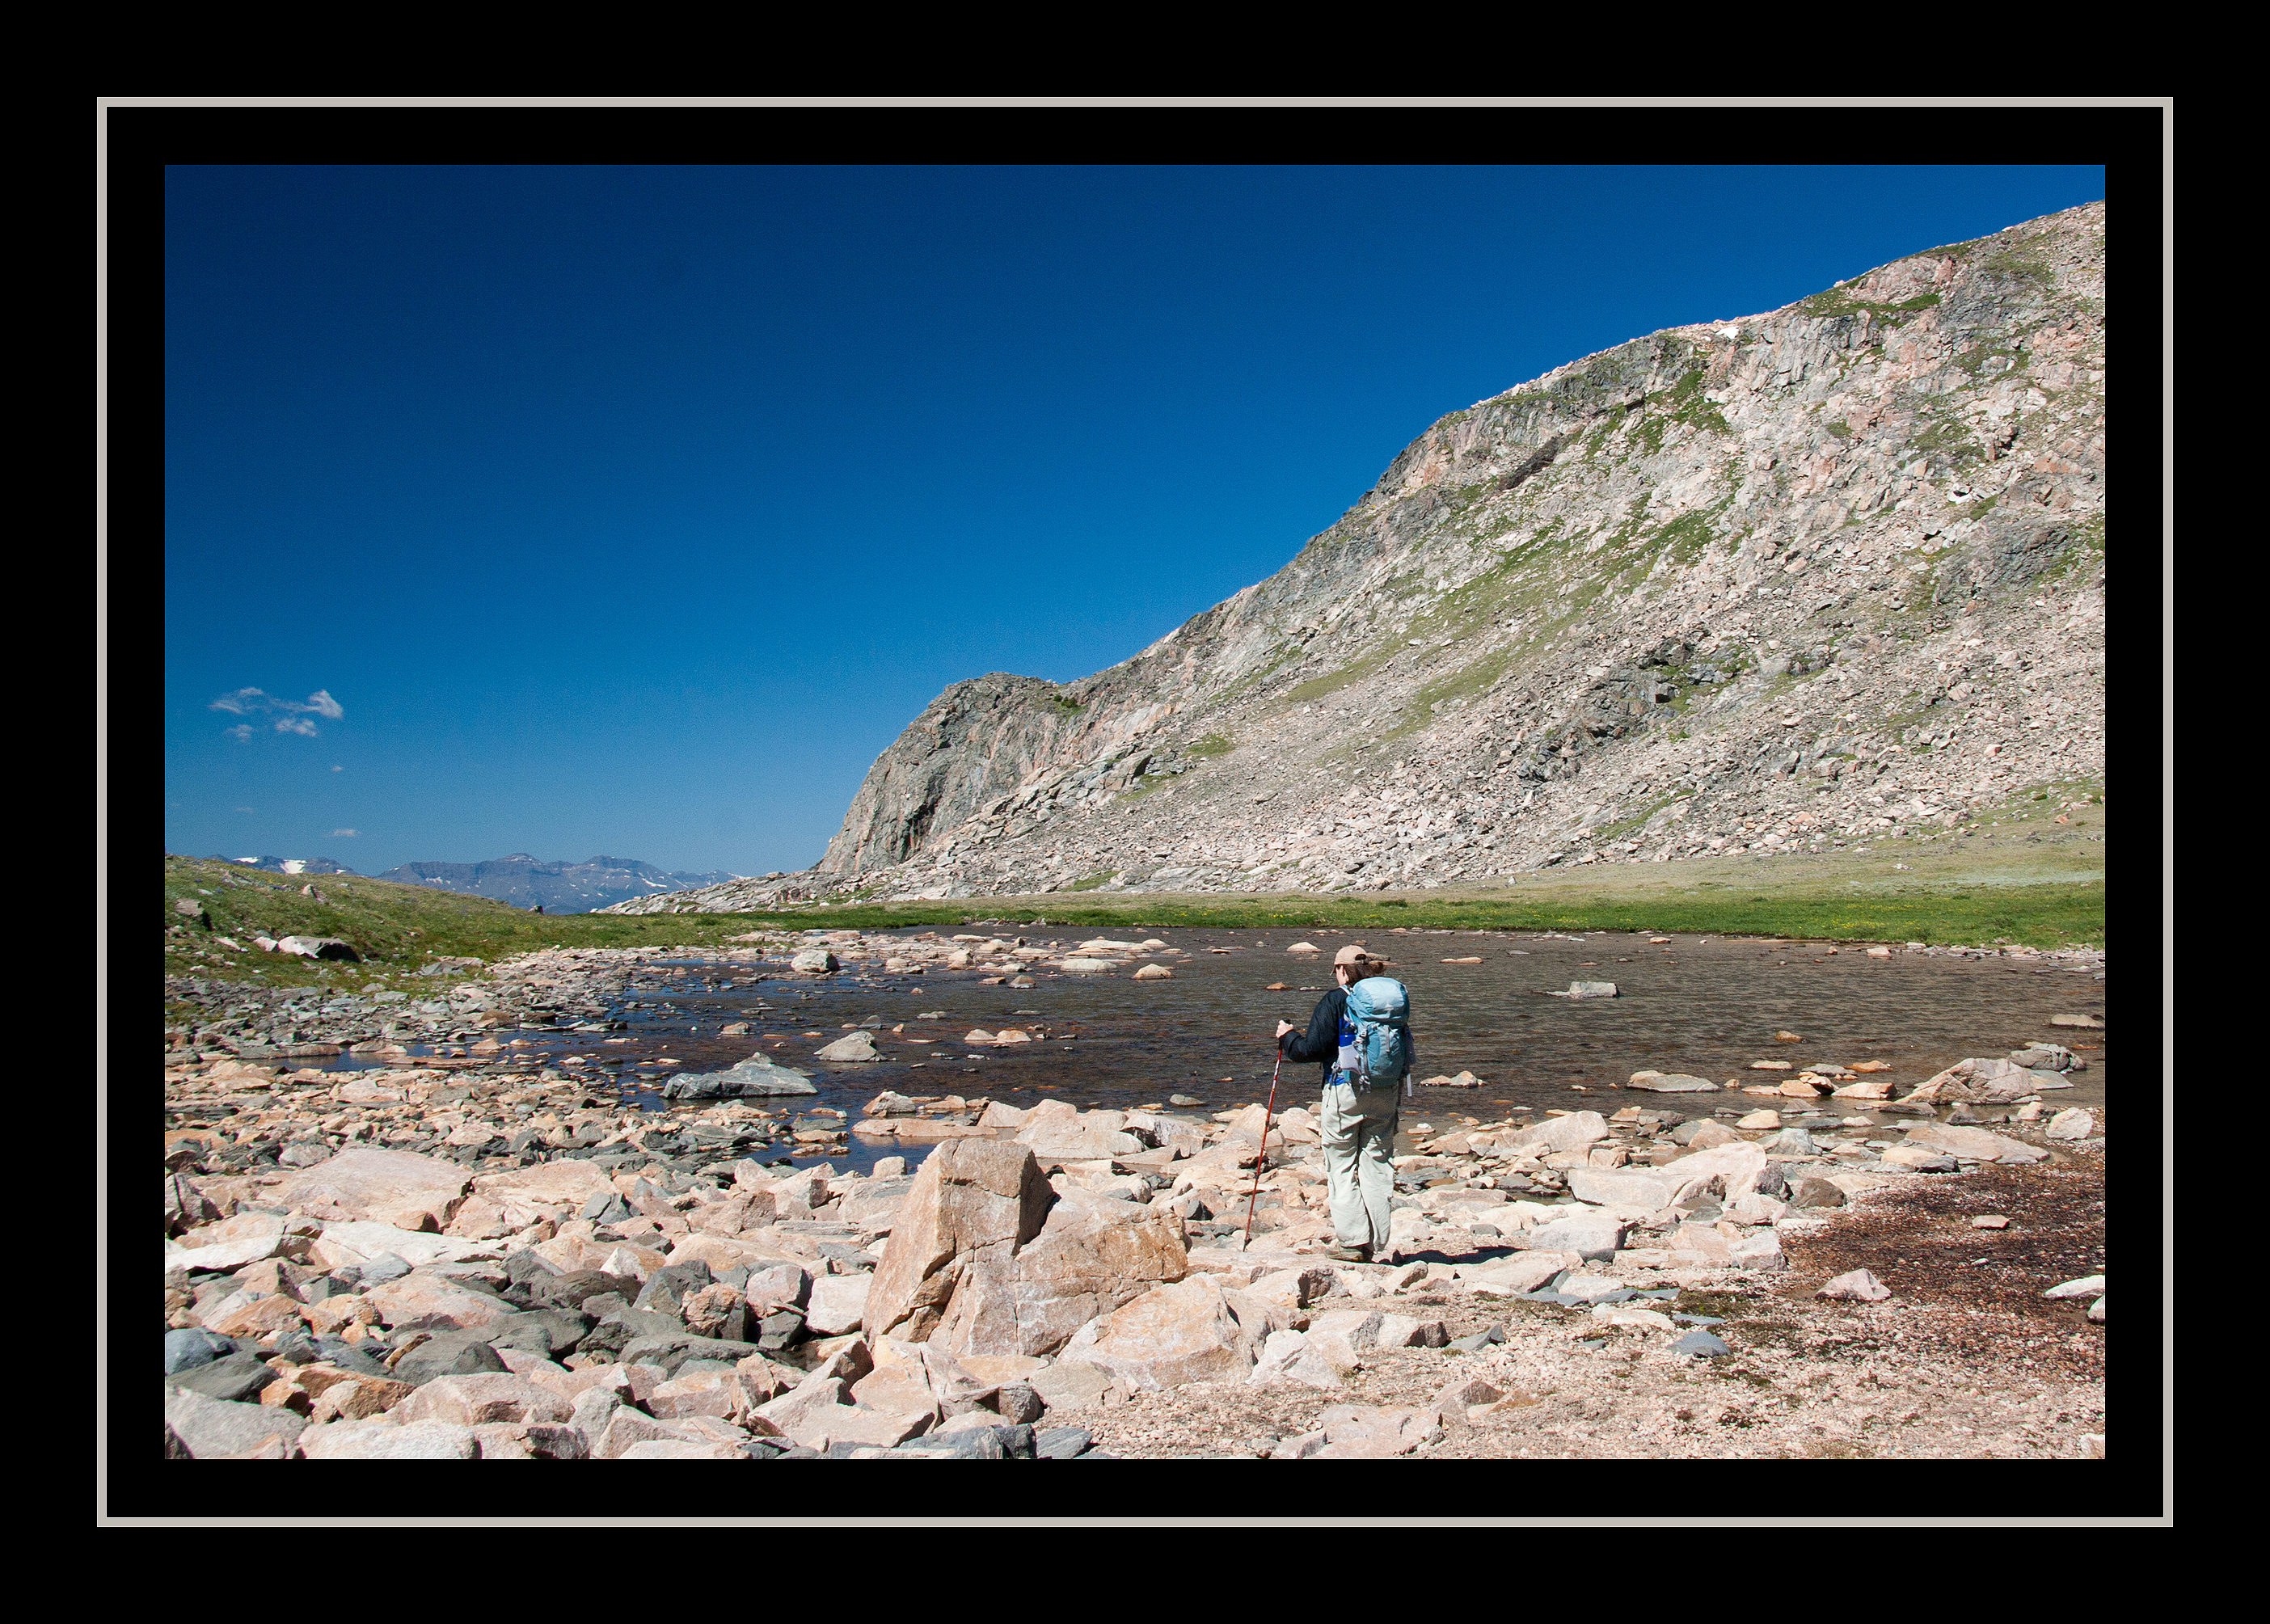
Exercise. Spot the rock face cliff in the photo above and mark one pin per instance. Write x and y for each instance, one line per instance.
(1784, 581)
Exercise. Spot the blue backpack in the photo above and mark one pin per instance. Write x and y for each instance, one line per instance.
(1375, 1049)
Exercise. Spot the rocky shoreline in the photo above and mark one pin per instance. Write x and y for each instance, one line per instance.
(453, 1255)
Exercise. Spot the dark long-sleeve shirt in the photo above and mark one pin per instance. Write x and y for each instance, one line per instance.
(1322, 1041)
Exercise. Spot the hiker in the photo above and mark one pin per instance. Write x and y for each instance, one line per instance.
(1360, 1033)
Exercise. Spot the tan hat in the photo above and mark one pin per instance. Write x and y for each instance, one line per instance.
(1356, 953)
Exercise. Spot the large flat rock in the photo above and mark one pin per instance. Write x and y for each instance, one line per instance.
(1573, 1131)
(358, 1243)
(1971, 1143)
(392, 1186)
(215, 1429)
(1735, 1169)
(1168, 1337)
(1592, 1235)
(1619, 1187)
(1671, 1082)
(568, 1181)
(754, 1077)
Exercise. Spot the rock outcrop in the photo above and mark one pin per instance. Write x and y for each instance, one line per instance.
(1788, 581)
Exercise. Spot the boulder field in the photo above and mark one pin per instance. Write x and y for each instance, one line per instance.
(1048, 1278)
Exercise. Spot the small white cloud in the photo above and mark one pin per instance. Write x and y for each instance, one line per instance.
(240, 732)
(292, 715)
(345, 834)
(338, 770)
(248, 809)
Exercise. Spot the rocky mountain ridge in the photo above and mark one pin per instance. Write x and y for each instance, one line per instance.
(1792, 581)
(289, 865)
(560, 887)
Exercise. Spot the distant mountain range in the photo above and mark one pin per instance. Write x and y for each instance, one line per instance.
(560, 887)
(290, 865)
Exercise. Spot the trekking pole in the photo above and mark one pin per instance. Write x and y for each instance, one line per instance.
(1261, 1163)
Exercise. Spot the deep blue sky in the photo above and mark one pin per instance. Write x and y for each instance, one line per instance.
(635, 511)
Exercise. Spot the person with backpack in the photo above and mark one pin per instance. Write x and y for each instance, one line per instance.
(1361, 1035)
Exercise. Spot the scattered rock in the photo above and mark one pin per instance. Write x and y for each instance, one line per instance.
(2071, 1123)
(1168, 1337)
(1982, 1081)
(406, 1191)
(1354, 1432)
(1593, 1237)
(1857, 1286)
(1972, 1144)
(214, 1429)
(233, 1377)
(1623, 1188)
(1671, 1082)
(1575, 1131)
(1762, 1250)
(1631, 1318)
(189, 1347)
(1061, 1443)
(1524, 1273)
(380, 1441)
(753, 1077)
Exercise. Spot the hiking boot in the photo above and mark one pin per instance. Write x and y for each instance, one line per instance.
(1347, 1254)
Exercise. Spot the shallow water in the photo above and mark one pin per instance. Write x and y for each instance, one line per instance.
(1708, 1006)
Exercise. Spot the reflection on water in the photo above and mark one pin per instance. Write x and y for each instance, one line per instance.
(1702, 1005)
